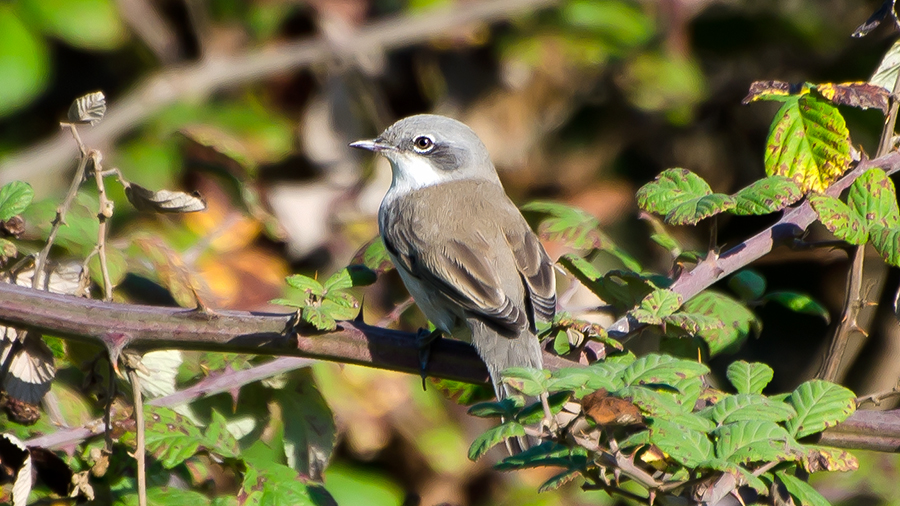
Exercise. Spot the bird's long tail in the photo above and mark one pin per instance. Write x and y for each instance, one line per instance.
(500, 353)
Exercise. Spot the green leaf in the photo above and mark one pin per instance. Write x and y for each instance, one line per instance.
(569, 378)
(695, 210)
(340, 306)
(738, 321)
(267, 483)
(741, 407)
(808, 142)
(534, 413)
(682, 197)
(306, 284)
(561, 342)
(692, 323)
(14, 198)
(823, 458)
(622, 290)
(170, 437)
(218, 439)
(799, 303)
(652, 402)
(548, 453)
(656, 306)
(318, 318)
(748, 284)
(24, 61)
(350, 276)
(839, 219)
(493, 437)
(752, 441)
(749, 378)
(309, 428)
(559, 480)
(887, 242)
(819, 405)
(87, 24)
(687, 446)
(604, 374)
(765, 196)
(504, 408)
(801, 490)
(661, 369)
(531, 382)
(874, 199)
(166, 496)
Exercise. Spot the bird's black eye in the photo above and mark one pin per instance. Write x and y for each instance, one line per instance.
(423, 144)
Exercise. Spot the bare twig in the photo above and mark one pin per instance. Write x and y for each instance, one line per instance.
(41, 263)
(878, 397)
(395, 313)
(139, 452)
(103, 216)
(224, 71)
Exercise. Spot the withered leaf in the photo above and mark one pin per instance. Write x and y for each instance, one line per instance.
(164, 201)
(89, 108)
(607, 410)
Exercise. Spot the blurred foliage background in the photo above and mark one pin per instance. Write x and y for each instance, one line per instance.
(580, 101)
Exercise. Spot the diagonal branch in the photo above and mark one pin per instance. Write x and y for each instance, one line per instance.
(792, 222)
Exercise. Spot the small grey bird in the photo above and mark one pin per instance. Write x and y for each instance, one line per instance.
(462, 248)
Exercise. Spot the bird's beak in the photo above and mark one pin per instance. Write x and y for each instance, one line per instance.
(375, 145)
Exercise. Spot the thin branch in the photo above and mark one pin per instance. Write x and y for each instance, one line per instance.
(41, 263)
(139, 452)
(219, 72)
(103, 216)
(794, 221)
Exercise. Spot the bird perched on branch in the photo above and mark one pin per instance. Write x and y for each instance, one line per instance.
(462, 248)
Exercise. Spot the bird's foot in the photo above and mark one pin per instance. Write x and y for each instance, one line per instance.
(424, 339)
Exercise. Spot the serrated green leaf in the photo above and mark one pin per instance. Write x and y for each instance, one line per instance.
(753, 441)
(819, 405)
(652, 402)
(682, 197)
(887, 242)
(808, 142)
(604, 374)
(289, 303)
(569, 378)
(267, 482)
(504, 408)
(622, 290)
(661, 369)
(374, 256)
(318, 318)
(170, 437)
(799, 303)
(696, 210)
(340, 306)
(340, 280)
(534, 413)
(874, 198)
(307, 284)
(692, 323)
(687, 446)
(560, 480)
(531, 382)
(748, 284)
(765, 196)
(493, 437)
(670, 189)
(218, 439)
(749, 378)
(839, 219)
(738, 321)
(693, 421)
(656, 306)
(749, 406)
(15, 196)
(548, 453)
(801, 490)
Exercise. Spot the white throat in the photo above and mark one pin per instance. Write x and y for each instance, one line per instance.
(416, 173)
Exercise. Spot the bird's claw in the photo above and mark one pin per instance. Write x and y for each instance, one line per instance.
(424, 339)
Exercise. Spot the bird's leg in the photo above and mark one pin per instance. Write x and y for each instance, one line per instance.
(424, 339)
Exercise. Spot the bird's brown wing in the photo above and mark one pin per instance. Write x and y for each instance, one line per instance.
(536, 270)
(461, 275)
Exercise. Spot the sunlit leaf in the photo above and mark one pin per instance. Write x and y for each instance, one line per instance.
(88, 108)
(799, 303)
(809, 142)
(753, 441)
(686, 446)
(767, 195)
(493, 437)
(15, 197)
(819, 405)
(656, 306)
(739, 322)
(801, 490)
(749, 378)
